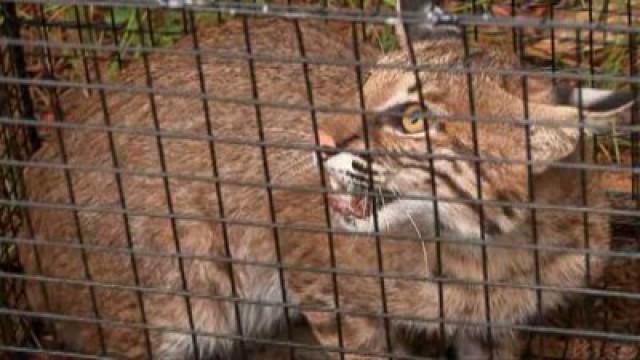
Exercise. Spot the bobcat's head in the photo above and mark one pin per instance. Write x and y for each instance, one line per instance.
(421, 143)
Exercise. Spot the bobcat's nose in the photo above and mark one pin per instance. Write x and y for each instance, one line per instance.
(326, 140)
(329, 141)
(332, 146)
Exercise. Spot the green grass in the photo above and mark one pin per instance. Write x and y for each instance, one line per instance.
(132, 25)
(386, 39)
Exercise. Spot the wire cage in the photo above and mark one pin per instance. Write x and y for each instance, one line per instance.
(313, 180)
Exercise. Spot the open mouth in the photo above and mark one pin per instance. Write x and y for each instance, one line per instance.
(360, 206)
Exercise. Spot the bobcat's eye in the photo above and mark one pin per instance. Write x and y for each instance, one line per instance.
(413, 120)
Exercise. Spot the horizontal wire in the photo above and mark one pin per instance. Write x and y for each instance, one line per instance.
(182, 135)
(51, 352)
(424, 197)
(447, 69)
(446, 239)
(586, 291)
(244, 338)
(26, 164)
(311, 60)
(332, 109)
(309, 12)
(526, 328)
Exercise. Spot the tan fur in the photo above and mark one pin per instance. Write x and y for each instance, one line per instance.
(303, 244)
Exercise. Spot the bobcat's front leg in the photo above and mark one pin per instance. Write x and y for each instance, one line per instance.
(504, 347)
(362, 337)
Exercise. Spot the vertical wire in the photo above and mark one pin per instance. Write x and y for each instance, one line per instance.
(149, 18)
(18, 178)
(185, 20)
(8, 223)
(323, 182)
(7, 191)
(554, 64)
(476, 152)
(565, 349)
(364, 23)
(85, 64)
(606, 300)
(59, 117)
(605, 327)
(365, 129)
(554, 82)
(11, 27)
(591, 56)
(436, 211)
(583, 183)
(604, 13)
(114, 33)
(267, 175)
(531, 189)
(602, 19)
(38, 260)
(215, 172)
(635, 119)
(325, 6)
(637, 347)
(474, 10)
(115, 163)
(167, 188)
(514, 31)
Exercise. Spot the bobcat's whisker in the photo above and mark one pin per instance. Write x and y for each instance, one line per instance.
(394, 189)
(396, 192)
(422, 245)
(387, 226)
(373, 222)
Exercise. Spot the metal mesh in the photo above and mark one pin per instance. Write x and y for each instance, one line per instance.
(122, 107)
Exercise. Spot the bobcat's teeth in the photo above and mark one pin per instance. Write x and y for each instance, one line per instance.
(352, 206)
(360, 207)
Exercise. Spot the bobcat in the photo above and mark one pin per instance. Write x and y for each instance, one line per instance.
(137, 220)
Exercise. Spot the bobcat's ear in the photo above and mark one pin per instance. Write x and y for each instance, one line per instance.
(595, 102)
(599, 106)
(558, 137)
(432, 21)
(555, 138)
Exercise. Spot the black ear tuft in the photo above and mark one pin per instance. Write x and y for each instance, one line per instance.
(598, 102)
(614, 102)
(432, 21)
(417, 5)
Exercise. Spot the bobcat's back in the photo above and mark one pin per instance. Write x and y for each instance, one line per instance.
(163, 191)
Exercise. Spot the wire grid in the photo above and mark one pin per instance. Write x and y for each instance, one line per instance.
(17, 143)
(600, 324)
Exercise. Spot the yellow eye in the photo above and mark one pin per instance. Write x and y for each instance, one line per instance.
(413, 120)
